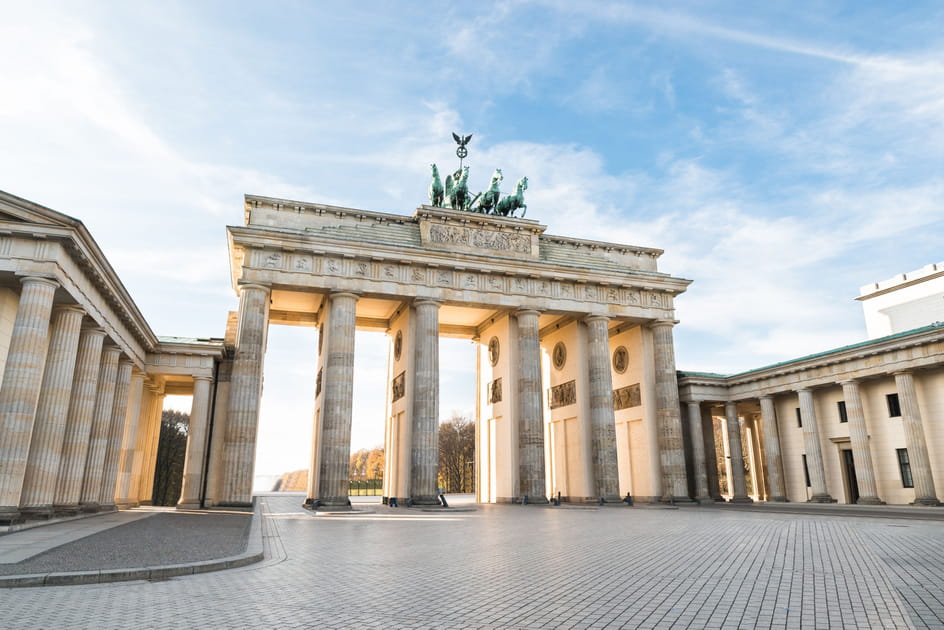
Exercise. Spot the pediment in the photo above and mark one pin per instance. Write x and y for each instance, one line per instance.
(19, 210)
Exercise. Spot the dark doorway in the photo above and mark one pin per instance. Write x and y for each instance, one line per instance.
(852, 486)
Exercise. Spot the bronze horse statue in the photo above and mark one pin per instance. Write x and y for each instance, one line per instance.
(457, 189)
(489, 199)
(507, 206)
(436, 190)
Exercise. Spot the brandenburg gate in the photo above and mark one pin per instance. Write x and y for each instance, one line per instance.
(576, 383)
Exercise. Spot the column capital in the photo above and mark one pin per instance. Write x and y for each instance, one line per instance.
(348, 294)
(693, 402)
(68, 308)
(426, 301)
(527, 311)
(659, 323)
(253, 285)
(35, 279)
(902, 373)
(209, 379)
(849, 381)
(124, 360)
(596, 317)
(766, 397)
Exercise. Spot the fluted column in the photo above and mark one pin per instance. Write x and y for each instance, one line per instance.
(19, 391)
(530, 409)
(698, 453)
(814, 452)
(196, 444)
(148, 396)
(672, 450)
(774, 458)
(45, 452)
(78, 424)
(245, 392)
(602, 418)
(129, 440)
(738, 481)
(149, 455)
(101, 424)
(914, 439)
(859, 437)
(337, 391)
(116, 426)
(424, 452)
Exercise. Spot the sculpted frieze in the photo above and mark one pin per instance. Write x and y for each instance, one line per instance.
(479, 238)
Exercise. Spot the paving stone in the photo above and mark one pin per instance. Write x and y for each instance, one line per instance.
(515, 567)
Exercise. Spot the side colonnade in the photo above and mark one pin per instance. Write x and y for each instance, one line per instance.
(849, 426)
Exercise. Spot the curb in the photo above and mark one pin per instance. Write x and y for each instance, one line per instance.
(254, 553)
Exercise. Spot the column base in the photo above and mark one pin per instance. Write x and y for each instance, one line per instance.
(38, 512)
(704, 500)
(331, 503)
(229, 504)
(127, 505)
(149, 502)
(11, 516)
(821, 498)
(927, 502)
(678, 500)
(89, 508)
(870, 501)
(536, 500)
(740, 500)
(778, 500)
(426, 499)
(65, 511)
(108, 507)
(188, 506)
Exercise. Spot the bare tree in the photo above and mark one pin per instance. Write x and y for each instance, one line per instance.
(457, 454)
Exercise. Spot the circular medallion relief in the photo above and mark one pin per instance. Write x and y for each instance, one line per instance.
(620, 359)
(493, 351)
(559, 355)
(397, 345)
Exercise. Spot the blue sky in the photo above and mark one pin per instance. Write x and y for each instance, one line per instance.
(781, 153)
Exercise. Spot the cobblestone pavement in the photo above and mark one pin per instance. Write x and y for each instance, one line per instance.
(536, 567)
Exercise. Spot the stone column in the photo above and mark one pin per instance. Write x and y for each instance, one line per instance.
(424, 452)
(101, 424)
(671, 447)
(859, 437)
(738, 480)
(78, 423)
(768, 416)
(196, 444)
(119, 413)
(19, 391)
(45, 452)
(914, 440)
(149, 454)
(337, 390)
(711, 452)
(814, 453)
(245, 392)
(530, 409)
(602, 419)
(698, 453)
(129, 441)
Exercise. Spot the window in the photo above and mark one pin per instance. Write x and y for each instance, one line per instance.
(905, 465)
(806, 472)
(842, 411)
(799, 419)
(894, 408)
